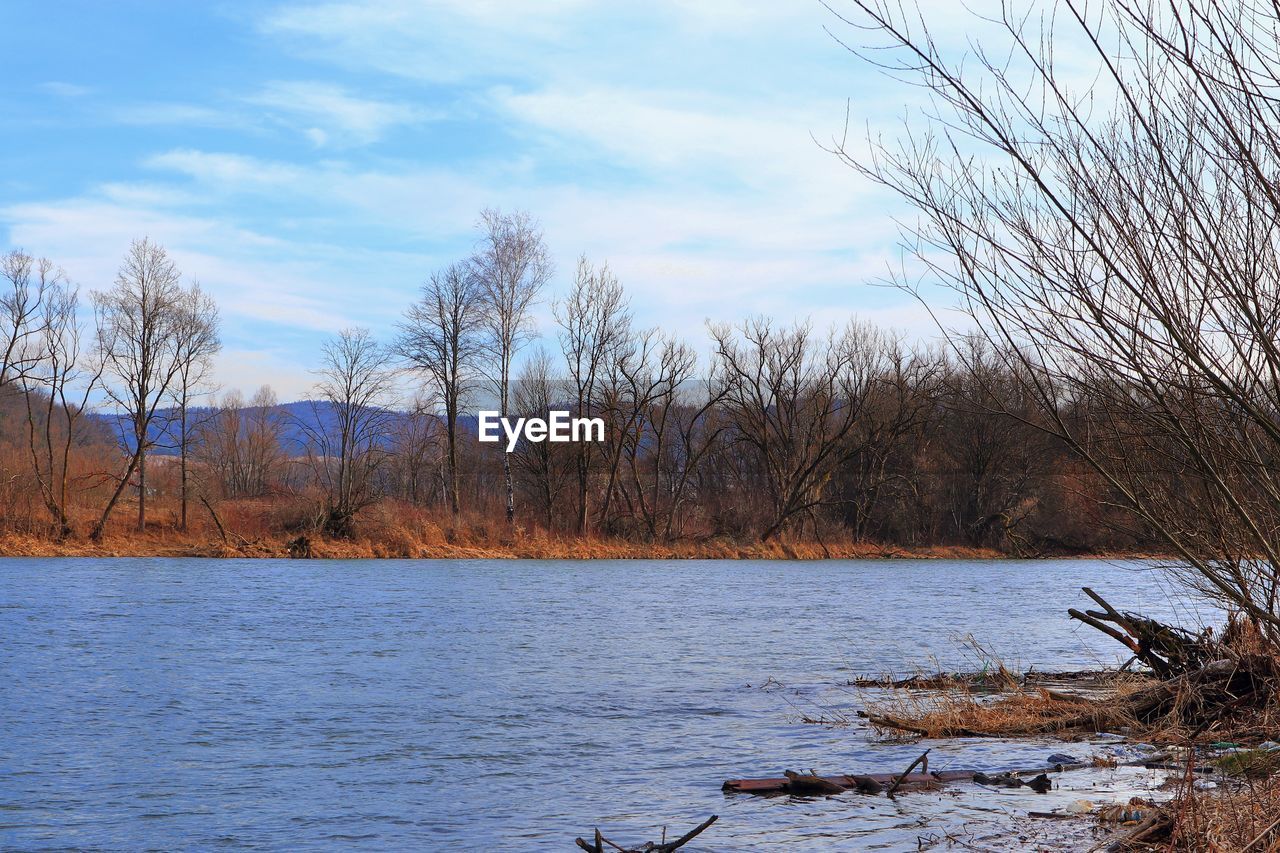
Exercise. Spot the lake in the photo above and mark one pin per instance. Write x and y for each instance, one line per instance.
(475, 705)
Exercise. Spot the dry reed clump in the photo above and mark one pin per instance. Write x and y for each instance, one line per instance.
(1235, 701)
(963, 712)
(1243, 818)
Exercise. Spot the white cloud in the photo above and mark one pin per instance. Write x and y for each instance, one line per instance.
(65, 90)
(327, 112)
(185, 115)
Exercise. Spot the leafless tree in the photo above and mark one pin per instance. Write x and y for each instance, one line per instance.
(901, 402)
(347, 432)
(795, 399)
(196, 343)
(440, 339)
(57, 383)
(414, 443)
(540, 465)
(239, 444)
(1116, 240)
(594, 324)
(140, 322)
(512, 266)
(673, 430)
(26, 282)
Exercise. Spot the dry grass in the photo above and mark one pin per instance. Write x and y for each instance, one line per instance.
(394, 530)
(1228, 819)
(399, 542)
(965, 713)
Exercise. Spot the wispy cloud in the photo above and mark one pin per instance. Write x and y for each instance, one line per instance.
(177, 114)
(328, 113)
(65, 90)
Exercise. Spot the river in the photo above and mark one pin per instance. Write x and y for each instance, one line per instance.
(481, 705)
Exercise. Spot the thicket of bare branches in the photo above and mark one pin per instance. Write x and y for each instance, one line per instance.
(347, 444)
(1116, 236)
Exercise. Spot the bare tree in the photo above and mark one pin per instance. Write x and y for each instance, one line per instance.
(196, 344)
(350, 422)
(902, 401)
(794, 400)
(57, 384)
(673, 430)
(511, 265)
(1118, 247)
(415, 449)
(239, 444)
(540, 465)
(594, 324)
(140, 322)
(26, 281)
(440, 338)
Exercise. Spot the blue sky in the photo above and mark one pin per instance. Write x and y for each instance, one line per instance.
(312, 163)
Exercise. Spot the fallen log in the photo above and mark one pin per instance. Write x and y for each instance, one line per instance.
(866, 782)
(924, 756)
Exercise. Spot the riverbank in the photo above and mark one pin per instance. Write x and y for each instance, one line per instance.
(1205, 710)
(173, 543)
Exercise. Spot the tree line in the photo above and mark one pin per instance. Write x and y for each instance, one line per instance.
(771, 431)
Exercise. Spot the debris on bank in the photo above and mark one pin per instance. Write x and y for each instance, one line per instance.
(1203, 707)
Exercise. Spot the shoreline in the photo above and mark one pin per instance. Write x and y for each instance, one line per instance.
(176, 545)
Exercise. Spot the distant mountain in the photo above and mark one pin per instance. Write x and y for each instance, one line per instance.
(295, 420)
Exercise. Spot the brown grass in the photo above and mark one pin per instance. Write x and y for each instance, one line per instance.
(397, 542)
(1228, 819)
(965, 713)
(395, 530)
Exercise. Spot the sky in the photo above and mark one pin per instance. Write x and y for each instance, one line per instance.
(312, 163)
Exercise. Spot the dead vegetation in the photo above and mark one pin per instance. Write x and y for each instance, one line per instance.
(1213, 689)
(1213, 701)
(1241, 819)
(400, 532)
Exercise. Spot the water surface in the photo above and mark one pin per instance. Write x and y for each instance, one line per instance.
(264, 704)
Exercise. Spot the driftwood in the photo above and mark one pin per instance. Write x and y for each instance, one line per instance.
(597, 844)
(875, 783)
(924, 756)
(1166, 650)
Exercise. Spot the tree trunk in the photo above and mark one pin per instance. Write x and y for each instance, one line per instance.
(96, 533)
(511, 493)
(584, 466)
(142, 486)
(453, 462)
(182, 524)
